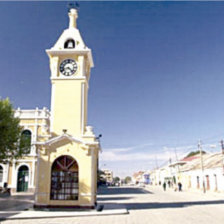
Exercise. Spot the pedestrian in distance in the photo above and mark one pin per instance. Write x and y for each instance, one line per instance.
(164, 186)
(169, 183)
(179, 186)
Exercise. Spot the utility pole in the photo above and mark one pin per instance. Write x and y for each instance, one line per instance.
(156, 162)
(202, 165)
(222, 145)
(178, 168)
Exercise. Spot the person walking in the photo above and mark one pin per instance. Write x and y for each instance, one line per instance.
(164, 186)
(169, 183)
(179, 186)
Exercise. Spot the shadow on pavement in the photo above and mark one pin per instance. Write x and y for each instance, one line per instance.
(112, 198)
(122, 190)
(12, 205)
(151, 205)
(16, 203)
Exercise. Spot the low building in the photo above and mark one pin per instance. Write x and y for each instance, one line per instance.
(107, 175)
(141, 177)
(20, 175)
(207, 173)
(204, 173)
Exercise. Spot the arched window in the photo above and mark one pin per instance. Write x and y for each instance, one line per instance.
(27, 135)
(70, 43)
(1, 174)
(64, 179)
(26, 139)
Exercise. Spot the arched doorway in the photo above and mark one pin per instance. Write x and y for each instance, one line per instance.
(23, 179)
(64, 179)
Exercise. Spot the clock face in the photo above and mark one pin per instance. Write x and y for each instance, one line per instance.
(68, 67)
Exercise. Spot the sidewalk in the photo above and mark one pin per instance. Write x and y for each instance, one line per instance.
(21, 207)
(13, 215)
(191, 192)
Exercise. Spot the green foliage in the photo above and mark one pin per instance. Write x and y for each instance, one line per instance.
(194, 153)
(116, 179)
(127, 180)
(12, 144)
(100, 177)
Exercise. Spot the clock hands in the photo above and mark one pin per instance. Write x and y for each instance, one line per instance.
(68, 67)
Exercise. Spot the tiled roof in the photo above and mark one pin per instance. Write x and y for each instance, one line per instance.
(190, 158)
(210, 161)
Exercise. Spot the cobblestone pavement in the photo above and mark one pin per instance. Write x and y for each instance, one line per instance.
(151, 206)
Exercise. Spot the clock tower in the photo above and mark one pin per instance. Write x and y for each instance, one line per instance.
(67, 163)
(70, 63)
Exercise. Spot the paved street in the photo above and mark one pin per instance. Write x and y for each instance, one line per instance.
(151, 205)
(15, 203)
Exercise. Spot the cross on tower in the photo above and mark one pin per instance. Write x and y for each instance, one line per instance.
(73, 5)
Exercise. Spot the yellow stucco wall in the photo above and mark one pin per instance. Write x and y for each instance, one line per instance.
(10, 175)
(85, 166)
(69, 112)
(67, 107)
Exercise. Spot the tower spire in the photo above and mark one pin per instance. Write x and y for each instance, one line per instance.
(73, 15)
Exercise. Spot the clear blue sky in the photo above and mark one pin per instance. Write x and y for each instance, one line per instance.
(158, 79)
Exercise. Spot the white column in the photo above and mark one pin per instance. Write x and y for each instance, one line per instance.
(92, 176)
(82, 66)
(33, 173)
(6, 173)
(30, 177)
(14, 175)
(83, 108)
(52, 106)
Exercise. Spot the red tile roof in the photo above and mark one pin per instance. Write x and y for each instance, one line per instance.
(187, 159)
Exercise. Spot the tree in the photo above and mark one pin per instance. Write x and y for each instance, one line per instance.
(194, 153)
(13, 144)
(116, 179)
(100, 177)
(127, 180)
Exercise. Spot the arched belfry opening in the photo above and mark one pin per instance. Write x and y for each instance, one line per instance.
(64, 179)
(69, 44)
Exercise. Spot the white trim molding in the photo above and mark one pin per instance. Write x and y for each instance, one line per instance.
(86, 51)
(82, 107)
(63, 137)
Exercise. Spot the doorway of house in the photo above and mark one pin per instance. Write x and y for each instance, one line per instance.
(23, 179)
(207, 182)
(198, 182)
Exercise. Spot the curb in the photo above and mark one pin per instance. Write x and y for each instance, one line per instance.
(44, 214)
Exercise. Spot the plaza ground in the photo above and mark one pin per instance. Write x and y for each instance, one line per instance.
(145, 205)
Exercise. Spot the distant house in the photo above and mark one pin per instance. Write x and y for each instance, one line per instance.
(137, 177)
(206, 173)
(141, 177)
(209, 171)
(107, 175)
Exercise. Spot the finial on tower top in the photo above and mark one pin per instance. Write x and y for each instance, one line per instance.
(73, 5)
(73, 14)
